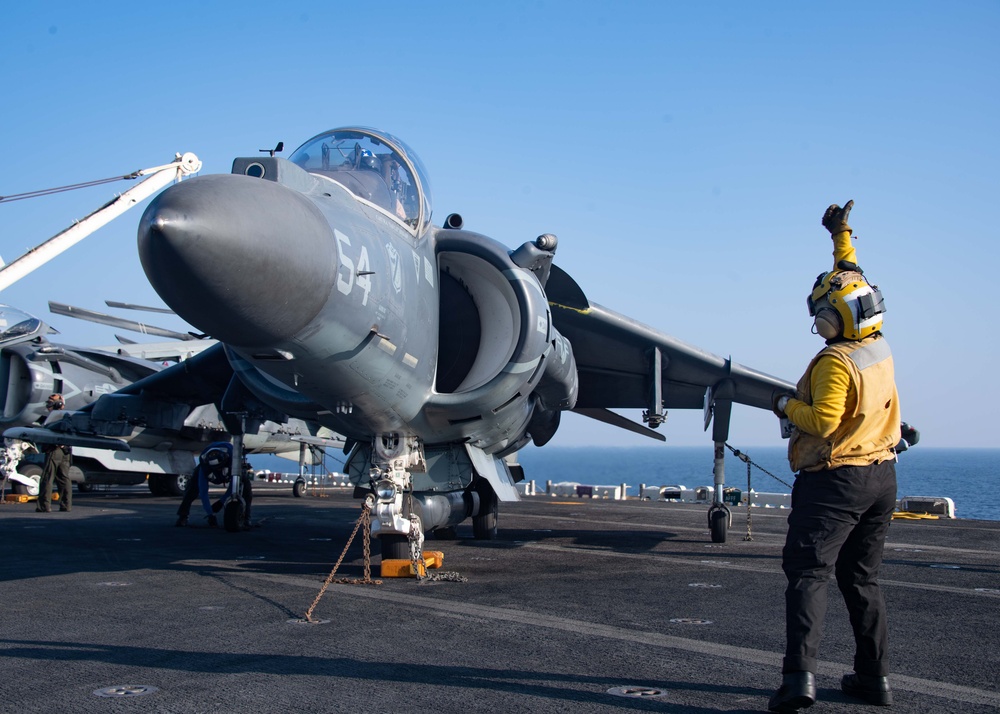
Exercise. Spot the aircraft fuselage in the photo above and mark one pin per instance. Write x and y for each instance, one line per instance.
(331, 308)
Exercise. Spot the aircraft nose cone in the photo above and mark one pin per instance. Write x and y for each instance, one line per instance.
(247, 261)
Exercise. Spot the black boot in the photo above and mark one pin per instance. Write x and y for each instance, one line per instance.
(797, 691)
(868, 688)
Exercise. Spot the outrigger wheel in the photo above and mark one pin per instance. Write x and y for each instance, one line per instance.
(718, 522)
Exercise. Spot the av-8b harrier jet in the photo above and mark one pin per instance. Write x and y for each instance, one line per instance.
(32, 368)
(435, 350)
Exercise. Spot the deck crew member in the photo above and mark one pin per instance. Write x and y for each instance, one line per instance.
(214, 467)
(846, 419)
(58, 459)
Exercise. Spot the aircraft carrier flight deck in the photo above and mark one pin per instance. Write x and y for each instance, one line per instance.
(580, 605)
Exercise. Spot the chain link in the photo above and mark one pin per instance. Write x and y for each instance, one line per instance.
(745, 458)
(415, 538)
(749, 535)
(419, 565)
(363, 520)
(446, 576)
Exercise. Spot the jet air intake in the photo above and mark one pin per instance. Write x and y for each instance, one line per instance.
(17, 384)
(497, 343)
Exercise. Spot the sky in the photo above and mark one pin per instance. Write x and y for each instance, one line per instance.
(682, 152)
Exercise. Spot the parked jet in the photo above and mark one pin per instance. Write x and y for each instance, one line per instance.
(32, 368)
(437, 351)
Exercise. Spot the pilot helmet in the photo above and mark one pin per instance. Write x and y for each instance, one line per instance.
(843, 304)
(55, 401)
(370, 161)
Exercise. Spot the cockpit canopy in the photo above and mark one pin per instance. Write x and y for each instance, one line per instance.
(17, 326)
(374, 166)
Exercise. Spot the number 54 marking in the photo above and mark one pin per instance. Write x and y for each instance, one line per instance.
(347, 275)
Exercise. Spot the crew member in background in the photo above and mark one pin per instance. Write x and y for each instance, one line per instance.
(58, 459)
(846, 420)
(214, 467)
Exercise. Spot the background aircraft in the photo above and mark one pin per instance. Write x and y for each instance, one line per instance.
(437, 351)
(32, 368)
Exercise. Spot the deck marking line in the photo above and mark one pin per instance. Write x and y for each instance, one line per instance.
(928, 687)
(943, 690)
(727, 565)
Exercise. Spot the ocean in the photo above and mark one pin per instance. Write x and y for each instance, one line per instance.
(970, 477)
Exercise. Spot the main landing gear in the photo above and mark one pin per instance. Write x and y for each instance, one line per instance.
(484, 523)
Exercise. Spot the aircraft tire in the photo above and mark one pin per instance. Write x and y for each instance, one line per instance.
(33, 471)
(448, 533)
(299, 488)
(395, 547)
(83, 487)
(157, 485)
(484, 526)
(232, 515)
(175, 484)
(719, 524)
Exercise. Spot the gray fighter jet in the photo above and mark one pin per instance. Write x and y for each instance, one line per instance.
(32, 368)
(436, 351)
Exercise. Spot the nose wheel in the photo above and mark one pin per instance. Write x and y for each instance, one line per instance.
(395, 547)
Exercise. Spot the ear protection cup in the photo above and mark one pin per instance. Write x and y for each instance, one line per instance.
(828, 323)
(844, 304)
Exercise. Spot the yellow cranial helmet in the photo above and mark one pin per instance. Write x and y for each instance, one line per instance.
(844, 304)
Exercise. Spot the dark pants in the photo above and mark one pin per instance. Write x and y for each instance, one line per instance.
(838, 523)
(191, 493)
(57, 463)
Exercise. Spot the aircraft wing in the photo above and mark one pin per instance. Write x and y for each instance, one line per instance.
(41, 435)
(615, 358)
(175, 350)
(201, 379)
